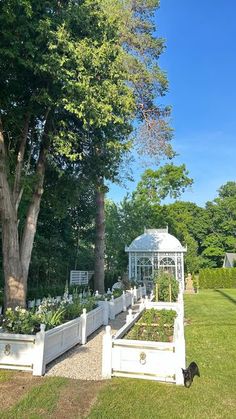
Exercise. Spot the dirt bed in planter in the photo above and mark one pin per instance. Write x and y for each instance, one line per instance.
(154, 325)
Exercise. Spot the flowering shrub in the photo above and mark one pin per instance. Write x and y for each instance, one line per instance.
(20, 321)
(50, 312)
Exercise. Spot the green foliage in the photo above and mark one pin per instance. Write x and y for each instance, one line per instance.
(117, 293)
(164, 281)
(168, 180)
(217, 278)
(195, 279)
(51, 313)
(210, 331)
(154, 325)
(20, 321)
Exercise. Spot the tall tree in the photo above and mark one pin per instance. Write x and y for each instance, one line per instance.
(53, 85)
(141, 50)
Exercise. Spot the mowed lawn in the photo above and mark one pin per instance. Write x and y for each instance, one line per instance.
(211, 342)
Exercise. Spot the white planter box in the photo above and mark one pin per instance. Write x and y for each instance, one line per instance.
(117, 305)
(34, 352)
(161, 361)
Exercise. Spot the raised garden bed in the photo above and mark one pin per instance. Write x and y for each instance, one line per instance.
(154, 325)
(140, 349)
(27, 345)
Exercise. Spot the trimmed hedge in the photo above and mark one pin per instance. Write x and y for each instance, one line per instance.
(217, 278)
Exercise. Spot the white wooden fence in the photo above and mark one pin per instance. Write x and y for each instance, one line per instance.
(34, 352)
(117, 305)
(80, 277)
(161, 361)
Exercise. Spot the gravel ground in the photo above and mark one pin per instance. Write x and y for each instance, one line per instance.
(84, 362)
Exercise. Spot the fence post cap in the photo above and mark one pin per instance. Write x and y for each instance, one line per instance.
(108, 330)
(42, 327)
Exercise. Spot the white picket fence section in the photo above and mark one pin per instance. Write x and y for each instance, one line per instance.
(34, 352)
(116, 305)
(160, 361)
(80, 277)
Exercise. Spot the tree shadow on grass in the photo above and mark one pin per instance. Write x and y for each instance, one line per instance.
(224, 294)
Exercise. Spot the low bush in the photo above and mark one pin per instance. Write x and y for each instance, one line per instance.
(164, 281)
(217, 278)
(52, 313)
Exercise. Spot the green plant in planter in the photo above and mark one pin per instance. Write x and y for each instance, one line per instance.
(117, 293)
(52, 318)
(20, 321)
(164, 283)
(154, 325)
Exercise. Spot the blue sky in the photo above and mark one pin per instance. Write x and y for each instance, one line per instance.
(200, 61)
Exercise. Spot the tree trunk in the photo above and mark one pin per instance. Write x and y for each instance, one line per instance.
(16, 258)
(34, 207)
(15, 285)
(99, 239)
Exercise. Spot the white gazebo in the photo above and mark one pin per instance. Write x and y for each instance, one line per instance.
(153, 251)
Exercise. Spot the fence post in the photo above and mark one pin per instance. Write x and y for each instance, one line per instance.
(83, 318)
(132, 296)
(124, 301)
(105, 307)
(111, 305)
(39, 363)
(180, 348)
(180, 359)
(142, 305)
(107, 353)
(129, 316)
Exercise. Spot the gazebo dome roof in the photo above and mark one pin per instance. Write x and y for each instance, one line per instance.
(155, 240)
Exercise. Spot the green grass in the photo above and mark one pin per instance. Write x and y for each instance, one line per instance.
(211, 342)
(5, 375)
(39, 402)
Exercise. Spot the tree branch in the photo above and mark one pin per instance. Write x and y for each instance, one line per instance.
(17, 190)
(5, 191)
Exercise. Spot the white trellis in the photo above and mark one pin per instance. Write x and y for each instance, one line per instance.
(156, 250)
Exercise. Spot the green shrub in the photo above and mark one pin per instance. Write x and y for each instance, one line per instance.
(164, 280)
(51, 313)
(217, 278)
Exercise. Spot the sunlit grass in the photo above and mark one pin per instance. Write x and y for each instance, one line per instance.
(211, 342)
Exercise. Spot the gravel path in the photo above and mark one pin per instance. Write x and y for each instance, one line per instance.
(84, 362)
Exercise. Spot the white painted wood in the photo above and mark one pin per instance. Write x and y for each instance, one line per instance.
(106, 353)
(161, 361)
(17, 351)
(39, 352)
(34, 352)
(80, 277)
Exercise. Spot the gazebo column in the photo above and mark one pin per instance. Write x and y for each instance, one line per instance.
(135, 266)
(182, 270)
(130, 268)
